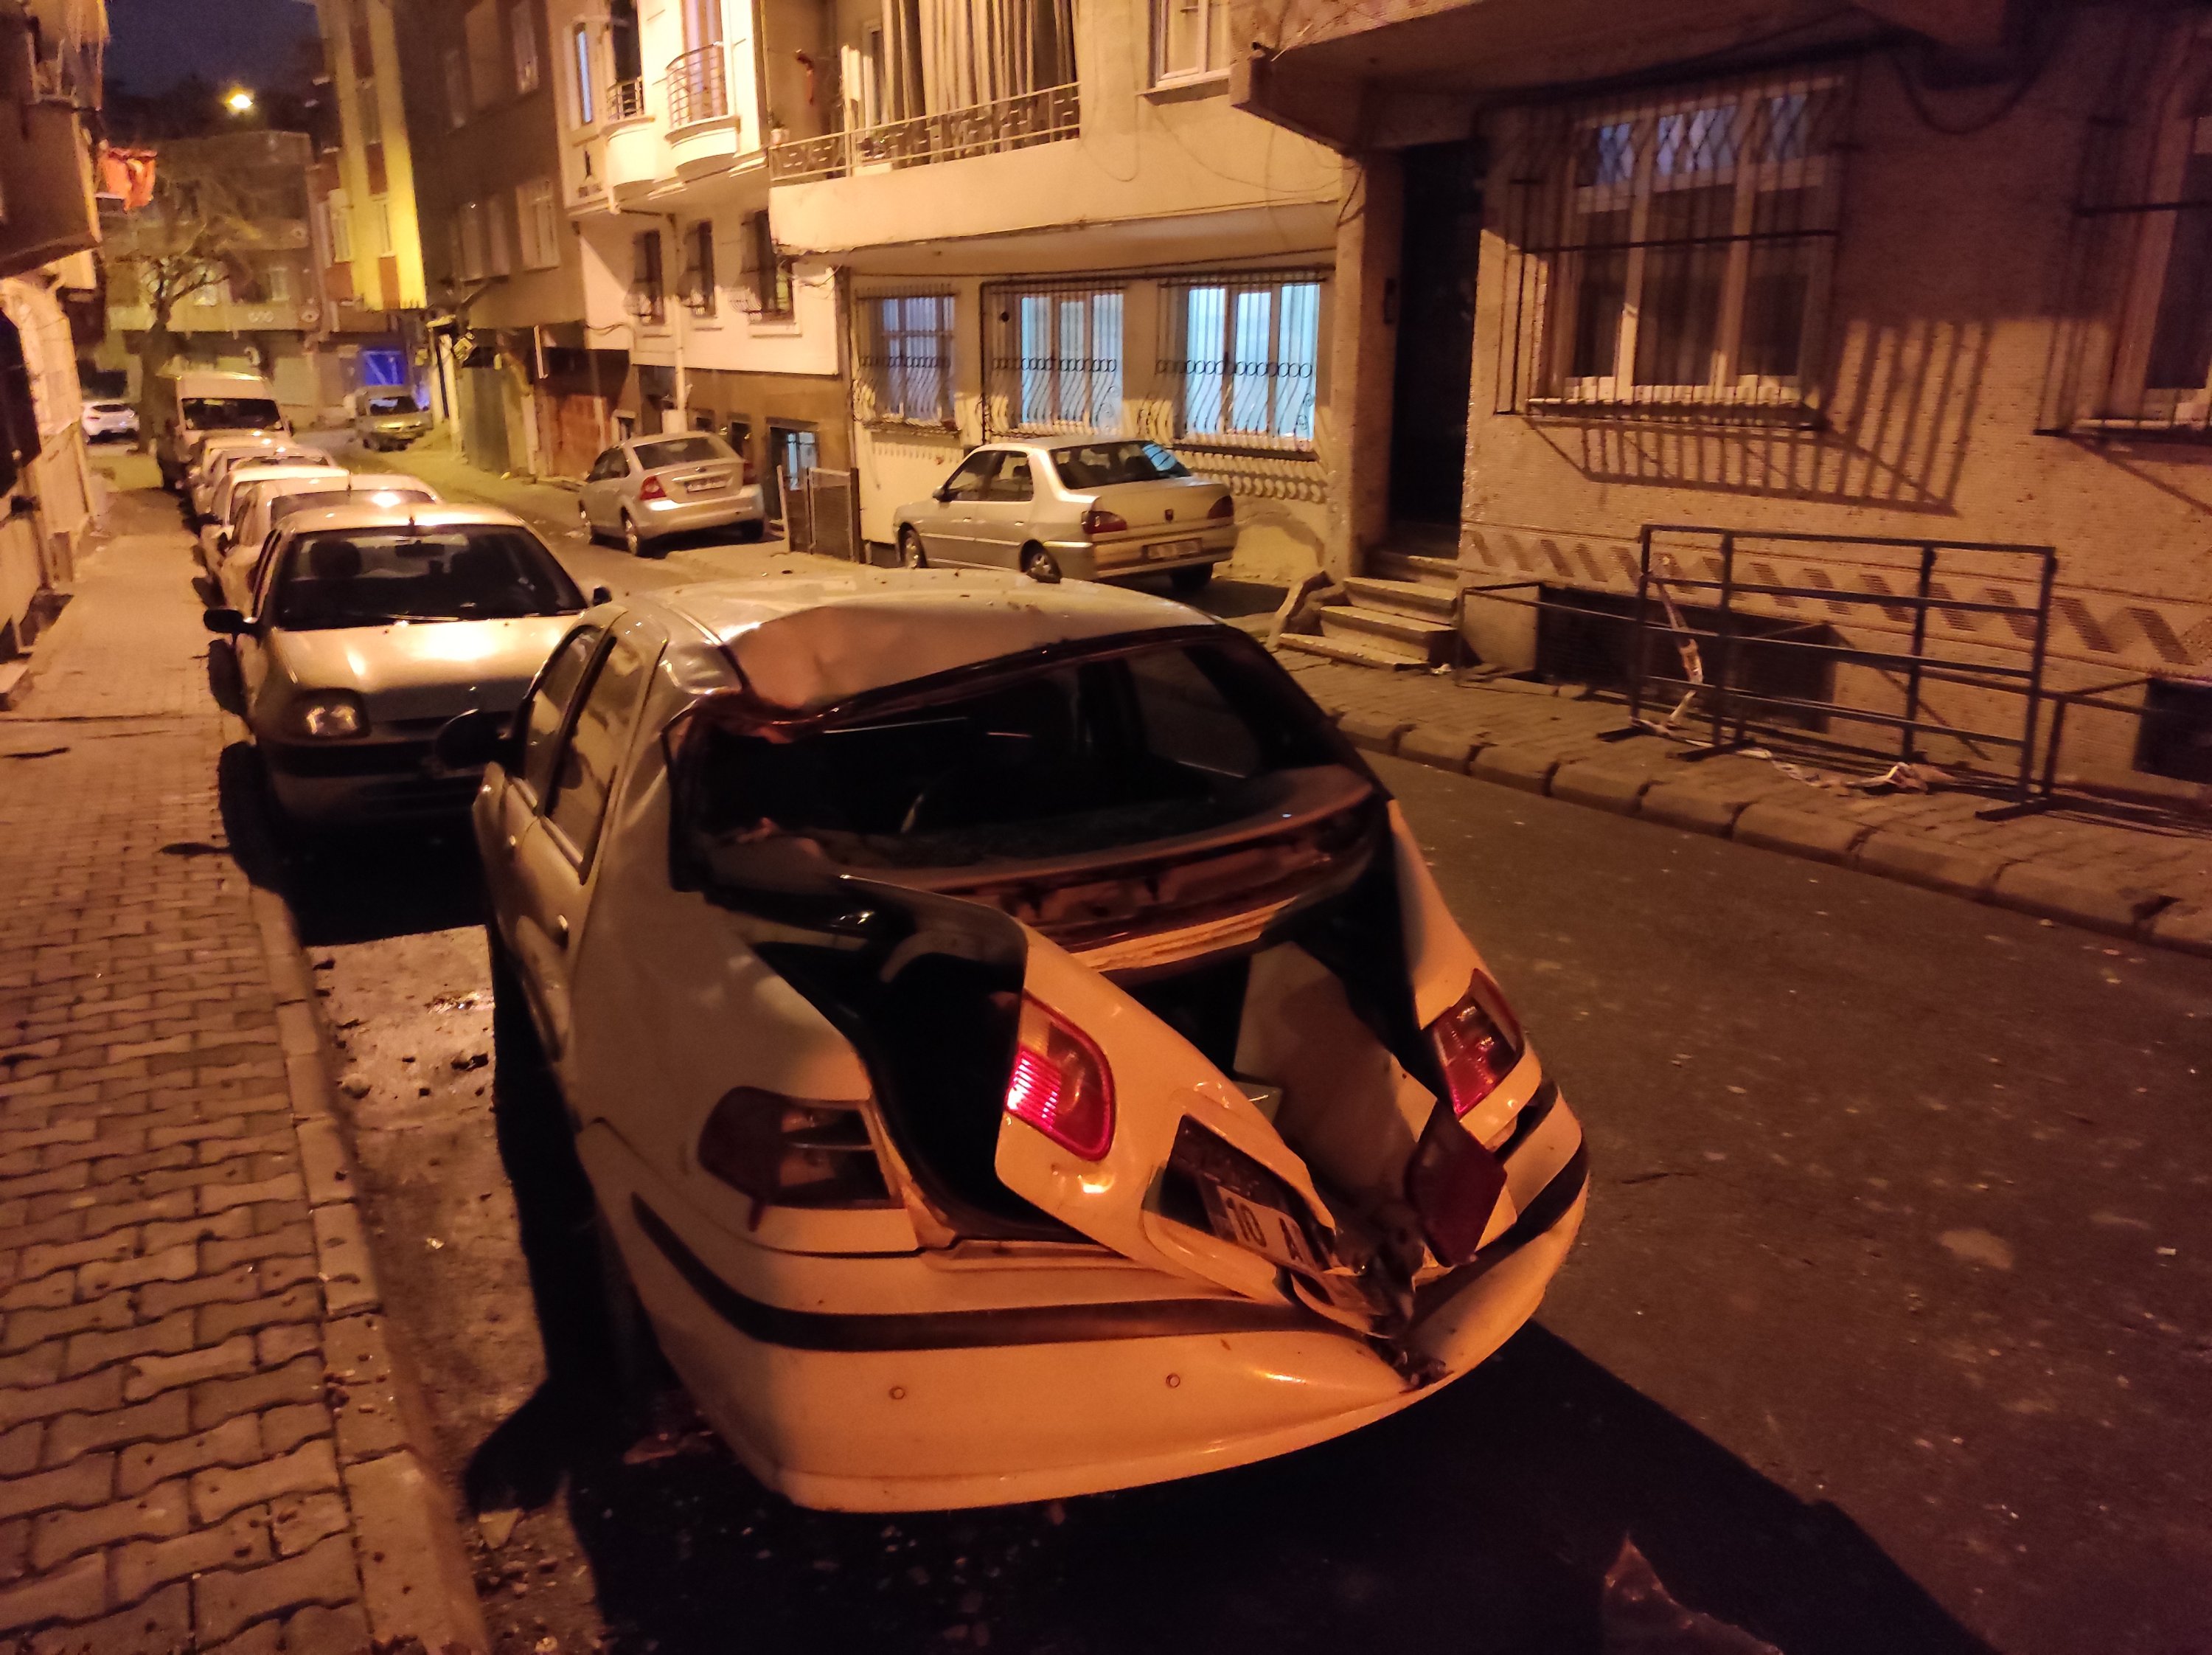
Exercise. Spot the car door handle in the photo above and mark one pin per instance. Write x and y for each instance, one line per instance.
(561, 930)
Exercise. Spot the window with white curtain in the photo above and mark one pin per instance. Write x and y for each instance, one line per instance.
(525, 37)
(1249, 357)
(905, 358)
(341, 225)
(499, 234)
(942, 55)
(1055, 362)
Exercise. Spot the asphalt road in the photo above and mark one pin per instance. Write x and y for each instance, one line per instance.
(1890, 1329)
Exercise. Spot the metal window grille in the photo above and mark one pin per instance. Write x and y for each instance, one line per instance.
(1670, 252)
(2132, 354)
(1240, 352)
(1054, 356)
(903, 370)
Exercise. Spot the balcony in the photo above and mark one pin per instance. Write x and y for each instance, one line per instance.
(1016, 123)
(702, 133)
(633, 151)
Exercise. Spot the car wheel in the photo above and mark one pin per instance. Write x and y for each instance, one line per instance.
(632, 538)
(583, 522)
(1191, 579)
(910, 552)
(1039, 564)
(519, 1069)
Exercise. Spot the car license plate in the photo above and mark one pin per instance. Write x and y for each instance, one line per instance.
(1268, 1231)
(703, 485)
(1159, 551)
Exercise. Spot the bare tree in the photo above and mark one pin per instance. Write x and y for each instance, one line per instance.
(200, 230)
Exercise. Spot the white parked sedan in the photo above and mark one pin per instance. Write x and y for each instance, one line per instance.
(267, 502)
(372, 628)
(1016, 1045)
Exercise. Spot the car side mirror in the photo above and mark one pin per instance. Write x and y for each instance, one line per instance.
(942, 493)
(226, 623)
(469, 742)
(602, 594)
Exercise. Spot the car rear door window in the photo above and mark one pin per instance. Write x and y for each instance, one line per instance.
(586, 772)
(548, 708)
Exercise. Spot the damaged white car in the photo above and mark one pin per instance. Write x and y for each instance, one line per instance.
(1012, 1037)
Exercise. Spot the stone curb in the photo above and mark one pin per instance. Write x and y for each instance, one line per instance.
(415, 1573)
(2049, 893)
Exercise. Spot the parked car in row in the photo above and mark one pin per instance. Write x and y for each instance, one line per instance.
(1092, 509)
(108, 418)
(648, 490)
(218, 458)
(265, 503)
(389, 417)
(227, 503)
(370, 627)
(199, 403)
(1015, 1044)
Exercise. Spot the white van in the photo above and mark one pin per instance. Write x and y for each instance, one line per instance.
(199, 402)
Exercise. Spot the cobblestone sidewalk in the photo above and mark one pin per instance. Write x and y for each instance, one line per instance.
(2143, 874)
(201, 1445)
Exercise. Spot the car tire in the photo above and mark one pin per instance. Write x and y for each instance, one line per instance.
(583, 522)
(1191, 579)
(1039, 564)
(911, 554)
(633, 538)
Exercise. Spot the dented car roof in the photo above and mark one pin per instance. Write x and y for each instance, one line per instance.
(807, 641)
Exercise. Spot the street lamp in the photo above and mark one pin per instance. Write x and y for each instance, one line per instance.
(238, 102)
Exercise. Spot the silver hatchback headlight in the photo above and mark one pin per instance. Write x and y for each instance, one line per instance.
(329, 715)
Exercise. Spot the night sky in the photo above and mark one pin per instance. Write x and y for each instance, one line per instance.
(157, 43)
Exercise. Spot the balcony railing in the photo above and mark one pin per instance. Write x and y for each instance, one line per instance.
(1015, 123)
(699, 87)
(626, 100)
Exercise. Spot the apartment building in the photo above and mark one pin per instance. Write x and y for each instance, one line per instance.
(1918, 269)
(50, 54)
(262, 315)
(529, 381)
(1049, 217)
(666, 115)
(366, 228)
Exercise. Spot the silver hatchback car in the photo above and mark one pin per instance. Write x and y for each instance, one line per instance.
(1090, 510)
(647, 489)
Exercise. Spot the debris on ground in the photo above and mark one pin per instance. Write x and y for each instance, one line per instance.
(1640, 1616)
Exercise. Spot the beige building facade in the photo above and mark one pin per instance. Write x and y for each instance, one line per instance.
(1939, 275)
(1048, 218)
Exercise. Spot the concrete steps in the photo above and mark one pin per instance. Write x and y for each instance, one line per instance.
(1403, 597)
(1339, 648)
(1422, 639)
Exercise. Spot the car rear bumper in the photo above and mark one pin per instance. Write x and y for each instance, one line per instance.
(690, 516)
(917, 1412)
(1085, 560)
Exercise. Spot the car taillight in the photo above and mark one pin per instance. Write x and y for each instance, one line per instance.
(652, 491)
(1098, 521)
(752, 474)
(1222, 510)
(1060, 1085)
(1477, 1043)
(792, 1152)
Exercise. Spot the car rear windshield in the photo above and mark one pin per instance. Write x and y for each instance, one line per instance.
(373, 577)
(320, 497)
(233, 414)
(1100, 465)
(682, 451)
(1069, 760)
(393, 402)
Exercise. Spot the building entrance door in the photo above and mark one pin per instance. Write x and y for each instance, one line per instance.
(1436, 331)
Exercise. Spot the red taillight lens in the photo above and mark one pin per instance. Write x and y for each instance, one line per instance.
(1477, 1043)
(752, 474)
(1222, 510)
(1060, 1085)
(792, 1152)
(652, 491)
(1098, 521)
